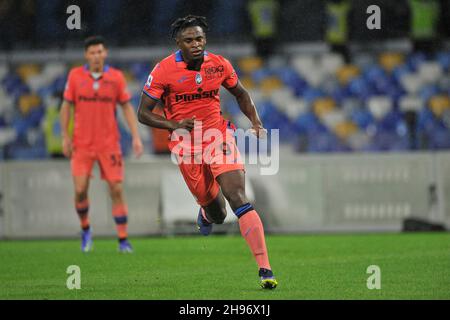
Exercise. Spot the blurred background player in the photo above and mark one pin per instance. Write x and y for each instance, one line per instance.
(194, 77)
(264, 17)
(94, 91)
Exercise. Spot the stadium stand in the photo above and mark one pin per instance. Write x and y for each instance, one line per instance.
(391, 101)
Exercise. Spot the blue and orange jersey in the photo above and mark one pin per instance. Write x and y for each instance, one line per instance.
(186, 93)
(95, 101)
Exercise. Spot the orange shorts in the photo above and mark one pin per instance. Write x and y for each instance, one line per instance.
(200, 172)
(110, 163)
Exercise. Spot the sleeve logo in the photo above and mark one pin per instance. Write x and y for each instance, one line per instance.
(149, 81)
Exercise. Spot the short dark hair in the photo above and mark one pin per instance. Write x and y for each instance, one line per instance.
(94, 40)
(189, 21)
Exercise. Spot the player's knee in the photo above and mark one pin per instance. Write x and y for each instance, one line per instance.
(80, 194)
(115, 191)
(217, 216)
(221, 217)
(237, 198)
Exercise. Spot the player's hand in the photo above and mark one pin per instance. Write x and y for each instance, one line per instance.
(259, 131)
(67, 147)
(187, 124)
(138, 148)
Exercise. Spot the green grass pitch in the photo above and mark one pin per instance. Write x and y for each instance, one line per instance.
(413, 266)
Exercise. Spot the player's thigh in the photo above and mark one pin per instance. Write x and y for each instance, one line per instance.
(81, 164)
(111, 166)
(226, 156)
(229, 171)
(200, 182)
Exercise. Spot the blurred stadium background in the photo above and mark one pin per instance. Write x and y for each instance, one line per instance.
(364, 115)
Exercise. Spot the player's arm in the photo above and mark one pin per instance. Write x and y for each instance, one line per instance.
(64, 117)
(128, 113)
(248, 108)
(147, 117)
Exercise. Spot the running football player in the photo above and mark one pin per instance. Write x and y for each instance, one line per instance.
(188, 82)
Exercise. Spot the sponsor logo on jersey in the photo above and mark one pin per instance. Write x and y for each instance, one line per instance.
(95, 99)
(214, 72)
(196, 96)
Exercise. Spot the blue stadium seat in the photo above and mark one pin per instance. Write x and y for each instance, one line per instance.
(10, 81)
(415, 59)
(389, 141)
(59, 83)
(390, 121)
(428, 91)
(374, 73)
(266, 109)
(311, 94)
(261, 74)
(326, 142)
(360, 88)
(45, 91)
(439, 138)
(444, 60)
(362, 117)
(434, 132)
(340, 94)
(274, 119)
(382, 84)
(36, 116)
(390, 133)
(140, 70)
(292, 79)
(395, 92)
(400, 71)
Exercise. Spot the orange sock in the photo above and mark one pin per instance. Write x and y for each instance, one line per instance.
(120, 214)
(82, 209)
(253, 232)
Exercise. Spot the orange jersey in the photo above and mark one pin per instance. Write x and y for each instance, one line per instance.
(187, 93)
(95, 101)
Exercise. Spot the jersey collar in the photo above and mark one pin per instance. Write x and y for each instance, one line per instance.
(179, 57)
(105, 69)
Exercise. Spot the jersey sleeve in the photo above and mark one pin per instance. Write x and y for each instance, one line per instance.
(69, 90)
(155, 85)
(230, 77)
(124, 94)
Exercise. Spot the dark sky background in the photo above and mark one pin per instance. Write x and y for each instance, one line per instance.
(42, 23)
